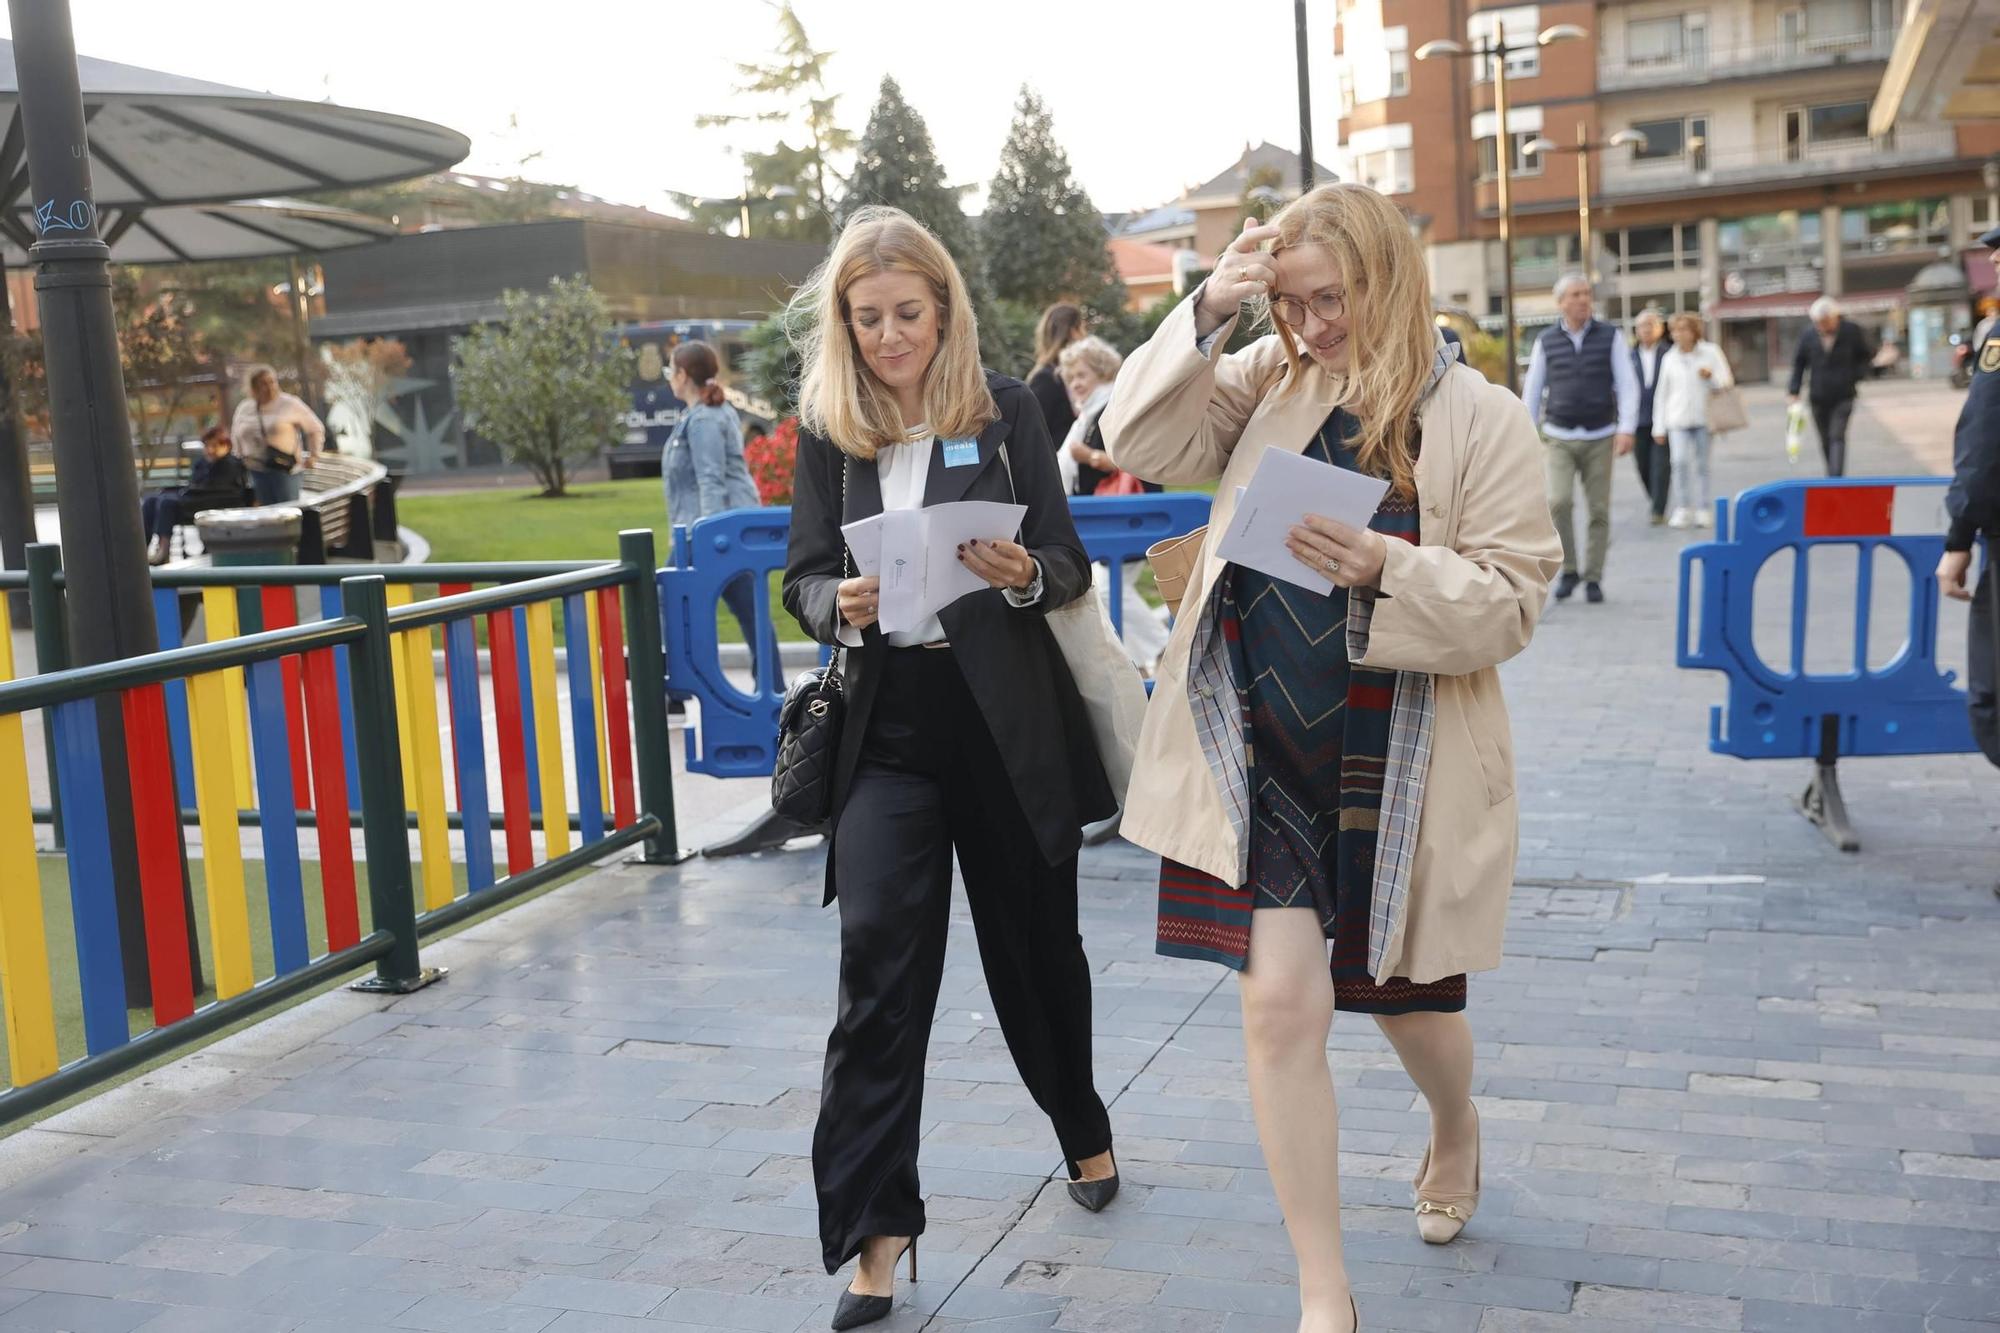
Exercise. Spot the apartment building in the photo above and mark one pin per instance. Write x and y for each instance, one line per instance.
(1758, 188)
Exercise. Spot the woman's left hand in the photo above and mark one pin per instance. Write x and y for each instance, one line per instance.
(1002, 564)
(1350, 557)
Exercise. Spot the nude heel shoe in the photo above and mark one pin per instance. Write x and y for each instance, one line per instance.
(1441, 1217)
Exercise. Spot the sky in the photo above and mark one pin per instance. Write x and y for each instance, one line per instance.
(607, 91)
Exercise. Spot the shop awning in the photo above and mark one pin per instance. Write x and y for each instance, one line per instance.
(1793, 305)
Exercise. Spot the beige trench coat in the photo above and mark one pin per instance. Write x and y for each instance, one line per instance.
(1456, 605)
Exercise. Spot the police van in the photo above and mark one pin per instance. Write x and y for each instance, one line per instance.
(654, 411)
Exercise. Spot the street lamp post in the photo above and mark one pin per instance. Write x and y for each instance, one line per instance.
(97, 490)
(1583, 149)
(1494, 48)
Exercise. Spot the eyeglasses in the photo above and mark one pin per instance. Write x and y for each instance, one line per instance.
(1291, 311)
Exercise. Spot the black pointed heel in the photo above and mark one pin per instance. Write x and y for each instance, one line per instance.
(1095, 1194)
(855, 1309)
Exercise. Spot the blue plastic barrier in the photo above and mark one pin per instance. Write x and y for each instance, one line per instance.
(736, 736)
(1908, 706)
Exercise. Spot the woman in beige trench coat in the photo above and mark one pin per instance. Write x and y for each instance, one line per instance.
(1336, 769)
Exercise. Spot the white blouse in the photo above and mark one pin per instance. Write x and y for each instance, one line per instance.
(903, 470)
(1681, 400)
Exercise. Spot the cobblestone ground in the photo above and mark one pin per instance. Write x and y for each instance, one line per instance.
(1730, 1078)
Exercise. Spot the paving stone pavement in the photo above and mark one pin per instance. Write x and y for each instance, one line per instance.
(1730, 1079)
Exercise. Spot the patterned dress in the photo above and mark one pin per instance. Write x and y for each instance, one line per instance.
(1318, 732)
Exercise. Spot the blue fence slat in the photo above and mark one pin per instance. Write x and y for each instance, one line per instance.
(531, 755)
(92, 893)
(330, 609)
(167, 618)
(283, 886)
(468, 742)
(583, 718)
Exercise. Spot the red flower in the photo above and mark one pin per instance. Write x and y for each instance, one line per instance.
(772, 459)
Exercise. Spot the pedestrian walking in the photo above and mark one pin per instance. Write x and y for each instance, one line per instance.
(1089, 368)
(1974, 505)
(1583, 392)
(703, 472)
(1835, 356)
(1337, 769)
(1655, 469)
(275, 434)
(217, 481)
(964, 734)
(1061, 325)
(1691, 373)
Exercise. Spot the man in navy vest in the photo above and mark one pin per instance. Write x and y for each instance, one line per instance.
(1584, 394)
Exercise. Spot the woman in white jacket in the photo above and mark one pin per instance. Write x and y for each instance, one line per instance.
(1692, 371)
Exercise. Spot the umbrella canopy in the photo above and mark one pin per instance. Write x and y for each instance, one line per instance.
(159, 139)
(193, 233)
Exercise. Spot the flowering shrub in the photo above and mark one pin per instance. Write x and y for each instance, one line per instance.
(772, 459)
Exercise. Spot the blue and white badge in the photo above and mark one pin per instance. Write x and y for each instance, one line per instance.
(960, 453)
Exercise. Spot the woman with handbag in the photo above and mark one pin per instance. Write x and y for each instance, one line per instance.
(964, 734)
(1334, 769)
(1089, 369)
(1694, 376)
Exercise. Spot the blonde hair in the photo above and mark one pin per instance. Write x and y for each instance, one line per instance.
(1391, 337)
(1688, 320)
(839, 397)
(1094, 354)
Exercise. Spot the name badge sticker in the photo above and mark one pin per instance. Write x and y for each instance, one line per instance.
(960, 453)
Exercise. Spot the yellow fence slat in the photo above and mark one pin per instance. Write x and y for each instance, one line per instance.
(209, 696)
(420, 747)
(219, 605)
(400, 594)
(25, 993)
(548, 728)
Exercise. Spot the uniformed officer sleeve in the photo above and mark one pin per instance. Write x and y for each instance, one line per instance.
(1974, 498)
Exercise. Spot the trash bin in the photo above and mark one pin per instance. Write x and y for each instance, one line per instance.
(267, 535)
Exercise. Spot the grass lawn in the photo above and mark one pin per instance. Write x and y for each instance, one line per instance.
(61, 937)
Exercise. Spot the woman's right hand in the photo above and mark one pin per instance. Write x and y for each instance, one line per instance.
(859, 601)
(1242, 273)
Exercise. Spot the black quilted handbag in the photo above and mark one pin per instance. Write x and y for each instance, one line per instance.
(809, 726)
(808, 742)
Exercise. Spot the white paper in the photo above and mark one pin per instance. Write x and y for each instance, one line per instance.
(1282, 491)
(915, 553)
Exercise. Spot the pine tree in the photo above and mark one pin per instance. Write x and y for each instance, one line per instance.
(1043, 239)
(897, 165)
(793, 83)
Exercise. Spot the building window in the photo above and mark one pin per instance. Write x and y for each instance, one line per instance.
(1650, 247)
(1666, 140)
(1515, 29)
(1524, 162)
(1396, 41)
(1770, 237)
(1650, 43)
(1388, 170)
(1878, 229)
(1343, 78)
(1830, 126)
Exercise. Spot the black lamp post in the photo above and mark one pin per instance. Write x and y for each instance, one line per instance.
(97, 490)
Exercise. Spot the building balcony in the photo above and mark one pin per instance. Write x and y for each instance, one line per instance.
(1723, 169)
(1748, 61)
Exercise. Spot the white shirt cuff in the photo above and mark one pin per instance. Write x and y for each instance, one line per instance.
(1029, 595)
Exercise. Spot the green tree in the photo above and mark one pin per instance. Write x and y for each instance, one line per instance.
(1043, 239)
(548, 383)
(896, 164)
(771, 368)
(792, 85)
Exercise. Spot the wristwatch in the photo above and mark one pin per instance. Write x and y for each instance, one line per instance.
(1029, 595)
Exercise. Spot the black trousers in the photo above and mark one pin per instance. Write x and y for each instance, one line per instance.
(931, 781)
(1982, 671)
(1830, 419)
(1655, 464)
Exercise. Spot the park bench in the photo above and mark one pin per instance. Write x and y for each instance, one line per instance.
(346, 505)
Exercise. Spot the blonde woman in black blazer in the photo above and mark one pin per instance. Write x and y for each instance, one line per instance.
(964, 735)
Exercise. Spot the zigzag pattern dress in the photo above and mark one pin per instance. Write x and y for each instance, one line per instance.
(1318, 744)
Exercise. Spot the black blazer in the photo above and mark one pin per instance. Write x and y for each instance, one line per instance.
(1011, 662)
(1838, 373)
(1057, 413)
